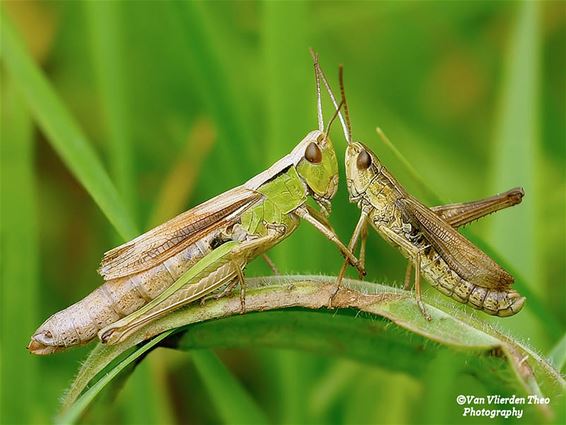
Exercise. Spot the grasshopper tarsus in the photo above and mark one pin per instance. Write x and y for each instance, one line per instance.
(335, 291)
(338, 283)
(242, 283)
(407, 281)
(418, 294)
(424, 311)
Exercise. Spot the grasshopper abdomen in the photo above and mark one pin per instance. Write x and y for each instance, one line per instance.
(491, 301)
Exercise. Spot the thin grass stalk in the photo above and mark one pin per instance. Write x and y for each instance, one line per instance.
(61, 129)
(19, 261)
(516, 157)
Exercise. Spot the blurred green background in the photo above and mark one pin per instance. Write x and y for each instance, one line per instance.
(182, 101)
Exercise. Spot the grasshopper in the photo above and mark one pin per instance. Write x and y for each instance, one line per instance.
(426, 236)
(203, 249)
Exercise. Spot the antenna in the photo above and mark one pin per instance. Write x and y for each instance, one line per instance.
(336, 112)
(333, 98)
(318, 96)
(343, 94)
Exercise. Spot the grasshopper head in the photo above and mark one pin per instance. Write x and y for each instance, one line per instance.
(318, 167)
(362, 168)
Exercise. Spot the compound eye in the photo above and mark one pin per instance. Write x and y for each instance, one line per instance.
(364, 160)
(313, 153)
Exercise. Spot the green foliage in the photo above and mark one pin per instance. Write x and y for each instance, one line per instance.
(201, 96)
(19, 259)
(230, 400)
(65, 135)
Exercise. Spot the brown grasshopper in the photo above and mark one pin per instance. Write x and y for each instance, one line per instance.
(426, 236)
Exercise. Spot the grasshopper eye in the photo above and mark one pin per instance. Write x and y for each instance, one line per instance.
(313, 153)
(364, 160)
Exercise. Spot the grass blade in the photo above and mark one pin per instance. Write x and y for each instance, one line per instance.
(73, 414)
(334, 385)
(516, 140)
(108, 58)
(217, 94)
(19, 293)
(557, 355)
(431, 196)
(232, 402)
(62, 131)
(441, 381)
(515, 158)
(181, 179)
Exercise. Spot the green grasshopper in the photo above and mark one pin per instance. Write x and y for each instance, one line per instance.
(426, 236)
(203, 249)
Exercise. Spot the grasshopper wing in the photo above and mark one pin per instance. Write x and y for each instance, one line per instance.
(171, 237)
(460, 254)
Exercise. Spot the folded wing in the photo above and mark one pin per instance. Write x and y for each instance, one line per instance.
(171, 237)
(459, 253)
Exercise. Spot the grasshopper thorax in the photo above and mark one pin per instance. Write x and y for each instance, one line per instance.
(318, 167)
